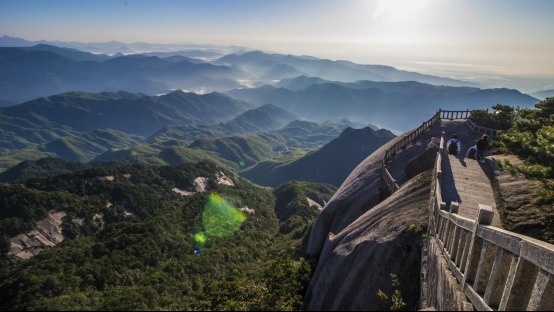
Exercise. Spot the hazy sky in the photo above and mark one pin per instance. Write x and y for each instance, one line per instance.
(501, 42)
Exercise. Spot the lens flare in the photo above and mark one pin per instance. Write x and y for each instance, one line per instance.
(219, 218)
(200, 238)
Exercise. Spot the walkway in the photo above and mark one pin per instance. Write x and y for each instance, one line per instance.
(464, 181)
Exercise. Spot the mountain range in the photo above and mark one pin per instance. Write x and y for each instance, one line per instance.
(52, 70)
(234, 151)
(133, 113)
(28, 73)
(263, 134)
(79, 126)
(393, 105)
(115, 47)
(268, 67)
(239, 129)
(543, 94)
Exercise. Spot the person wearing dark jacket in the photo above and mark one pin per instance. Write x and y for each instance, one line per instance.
(482, 146)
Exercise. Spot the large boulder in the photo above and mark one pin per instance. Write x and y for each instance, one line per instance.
(424, 161)
(358, 261)
(516, 200)
(362, 190)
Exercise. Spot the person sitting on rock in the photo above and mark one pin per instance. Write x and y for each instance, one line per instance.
(471, 152)
(482, 146)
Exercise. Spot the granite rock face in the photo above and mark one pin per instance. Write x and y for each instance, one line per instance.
(516, 200)
(357, 262)
(424, 161)
(362, 190)
(48, 233)
(363, 235)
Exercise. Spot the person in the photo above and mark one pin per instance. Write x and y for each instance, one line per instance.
(471, 152)
(453, 145)
(482, 146)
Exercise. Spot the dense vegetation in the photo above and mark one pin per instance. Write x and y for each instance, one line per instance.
(156, 260)
(227, 146)
(129, 115)
(44, 167)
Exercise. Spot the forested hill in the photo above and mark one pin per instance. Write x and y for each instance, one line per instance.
(188, 237)
(128, 112)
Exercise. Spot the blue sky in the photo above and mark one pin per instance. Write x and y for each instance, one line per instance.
(492, 40)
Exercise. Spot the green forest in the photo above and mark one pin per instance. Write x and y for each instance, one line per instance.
(169, 257)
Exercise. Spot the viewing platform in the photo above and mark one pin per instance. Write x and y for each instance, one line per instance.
(492, 269)
(465, 183)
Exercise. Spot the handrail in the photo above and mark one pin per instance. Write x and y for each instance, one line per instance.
(497, 269)
(451, 115)
(408, 139)
(482, 130)
(390, 182)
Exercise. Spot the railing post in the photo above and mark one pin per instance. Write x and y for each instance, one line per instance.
(498, 278)
(485, 214)
(519, 285)
(541, 299)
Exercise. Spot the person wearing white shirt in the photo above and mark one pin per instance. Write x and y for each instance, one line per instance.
(453, 145)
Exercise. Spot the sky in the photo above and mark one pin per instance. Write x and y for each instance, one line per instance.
(496, 42)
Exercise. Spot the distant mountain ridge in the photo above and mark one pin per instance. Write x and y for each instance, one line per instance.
(543, 94)
(131, 113)
(259, 64)
(264, 118)
(392, 105)
(67, 125)
(234, 150)
(114, 47)
(52, 70)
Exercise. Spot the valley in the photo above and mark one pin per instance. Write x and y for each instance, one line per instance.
(165, 177)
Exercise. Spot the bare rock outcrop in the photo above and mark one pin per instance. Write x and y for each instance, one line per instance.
(222, 179)
(424, 161)
(48, 233)
(312, 202)
(516, 200)
(357, 262)
(201, 184)
(361, 236)
(358, 193)
(364, 187)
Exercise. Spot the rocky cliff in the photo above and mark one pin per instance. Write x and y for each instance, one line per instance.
(357, 262)
(362, 236)
(48, 233)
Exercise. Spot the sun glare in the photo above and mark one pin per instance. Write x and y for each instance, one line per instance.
(399, 22)
(400, 10)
